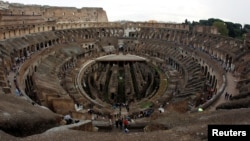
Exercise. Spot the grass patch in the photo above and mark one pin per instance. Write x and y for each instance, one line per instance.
(146, 104)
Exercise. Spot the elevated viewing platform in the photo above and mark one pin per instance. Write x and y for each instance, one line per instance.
(121, 57)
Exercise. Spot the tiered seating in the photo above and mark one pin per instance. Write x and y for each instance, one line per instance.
(198, 59)
(46, 81)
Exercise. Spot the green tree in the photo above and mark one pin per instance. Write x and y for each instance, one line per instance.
(246, 28)
(222, 27)
(234, 30)
(209, 22)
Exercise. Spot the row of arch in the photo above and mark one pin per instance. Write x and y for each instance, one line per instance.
(24, 29)
(179, 37)
(161, 50)
(93, 33)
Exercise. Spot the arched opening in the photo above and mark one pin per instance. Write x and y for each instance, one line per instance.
(205, 73)
(25, 54)
(112, 96)
(101, 87)
(213, 81)
(37, 47)
(41, 45)
(215, 84)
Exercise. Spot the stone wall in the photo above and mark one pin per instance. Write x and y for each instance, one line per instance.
(19, 19)
(205, 29)
(58, 14)
(23, 20)
(199, 57)
(63, 106)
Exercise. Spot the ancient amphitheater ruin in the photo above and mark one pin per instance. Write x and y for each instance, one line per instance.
(56, 61)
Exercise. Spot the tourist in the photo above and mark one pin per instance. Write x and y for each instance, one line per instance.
(9, 83)
(68, 119)
(116, 123)
(126, 130)
(17, 92)
(226, 95)
(230, 97)
(110, 122)
(125, 123)
(15, 80)
(120, 123)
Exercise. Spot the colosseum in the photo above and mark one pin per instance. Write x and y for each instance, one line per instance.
(168, 81)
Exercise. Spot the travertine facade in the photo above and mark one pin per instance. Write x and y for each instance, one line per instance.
(18, 19)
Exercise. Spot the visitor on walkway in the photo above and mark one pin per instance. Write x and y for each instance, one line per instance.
(17, 92)
(9, 83)
(120, 122)
(117, 123)
(125, 123)
(68, 119)
(226, 95)
(126, 130)
(230, 97)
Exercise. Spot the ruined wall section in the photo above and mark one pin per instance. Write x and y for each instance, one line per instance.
(19, 19)
(72, 14)
(205, 29)
(59, 14)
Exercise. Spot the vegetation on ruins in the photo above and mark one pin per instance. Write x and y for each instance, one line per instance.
(234, 30)
(222, 27)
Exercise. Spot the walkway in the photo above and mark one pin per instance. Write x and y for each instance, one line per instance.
(27, 61)
(124, 112)
(230, 88)
(11, 77)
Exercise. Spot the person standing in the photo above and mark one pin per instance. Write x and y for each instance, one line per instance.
(120, 123)
(230, 97)
(125, 123)
(68, 119)
(116, 123)
(226, 95)
(126, 130)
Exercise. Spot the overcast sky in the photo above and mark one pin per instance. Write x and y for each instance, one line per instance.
(237, 11)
